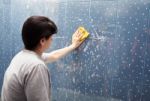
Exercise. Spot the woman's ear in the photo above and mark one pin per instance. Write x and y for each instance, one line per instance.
(42, 41)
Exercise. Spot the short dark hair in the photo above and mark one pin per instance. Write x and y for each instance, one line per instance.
(35, 28)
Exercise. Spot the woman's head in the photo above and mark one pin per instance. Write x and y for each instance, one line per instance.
(36, 28)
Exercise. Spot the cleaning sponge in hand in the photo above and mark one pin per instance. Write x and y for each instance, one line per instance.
(84, 32)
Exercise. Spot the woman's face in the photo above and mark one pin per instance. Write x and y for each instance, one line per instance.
(48, 42)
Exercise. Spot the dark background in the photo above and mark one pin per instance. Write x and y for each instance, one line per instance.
(113, 64)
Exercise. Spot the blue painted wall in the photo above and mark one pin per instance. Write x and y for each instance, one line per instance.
(113, 64)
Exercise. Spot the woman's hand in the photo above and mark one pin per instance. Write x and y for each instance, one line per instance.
(76, 39)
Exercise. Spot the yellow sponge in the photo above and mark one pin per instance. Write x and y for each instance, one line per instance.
(84, 32)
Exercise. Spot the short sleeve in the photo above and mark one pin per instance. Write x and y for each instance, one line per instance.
(38, 84)
(45, 57)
